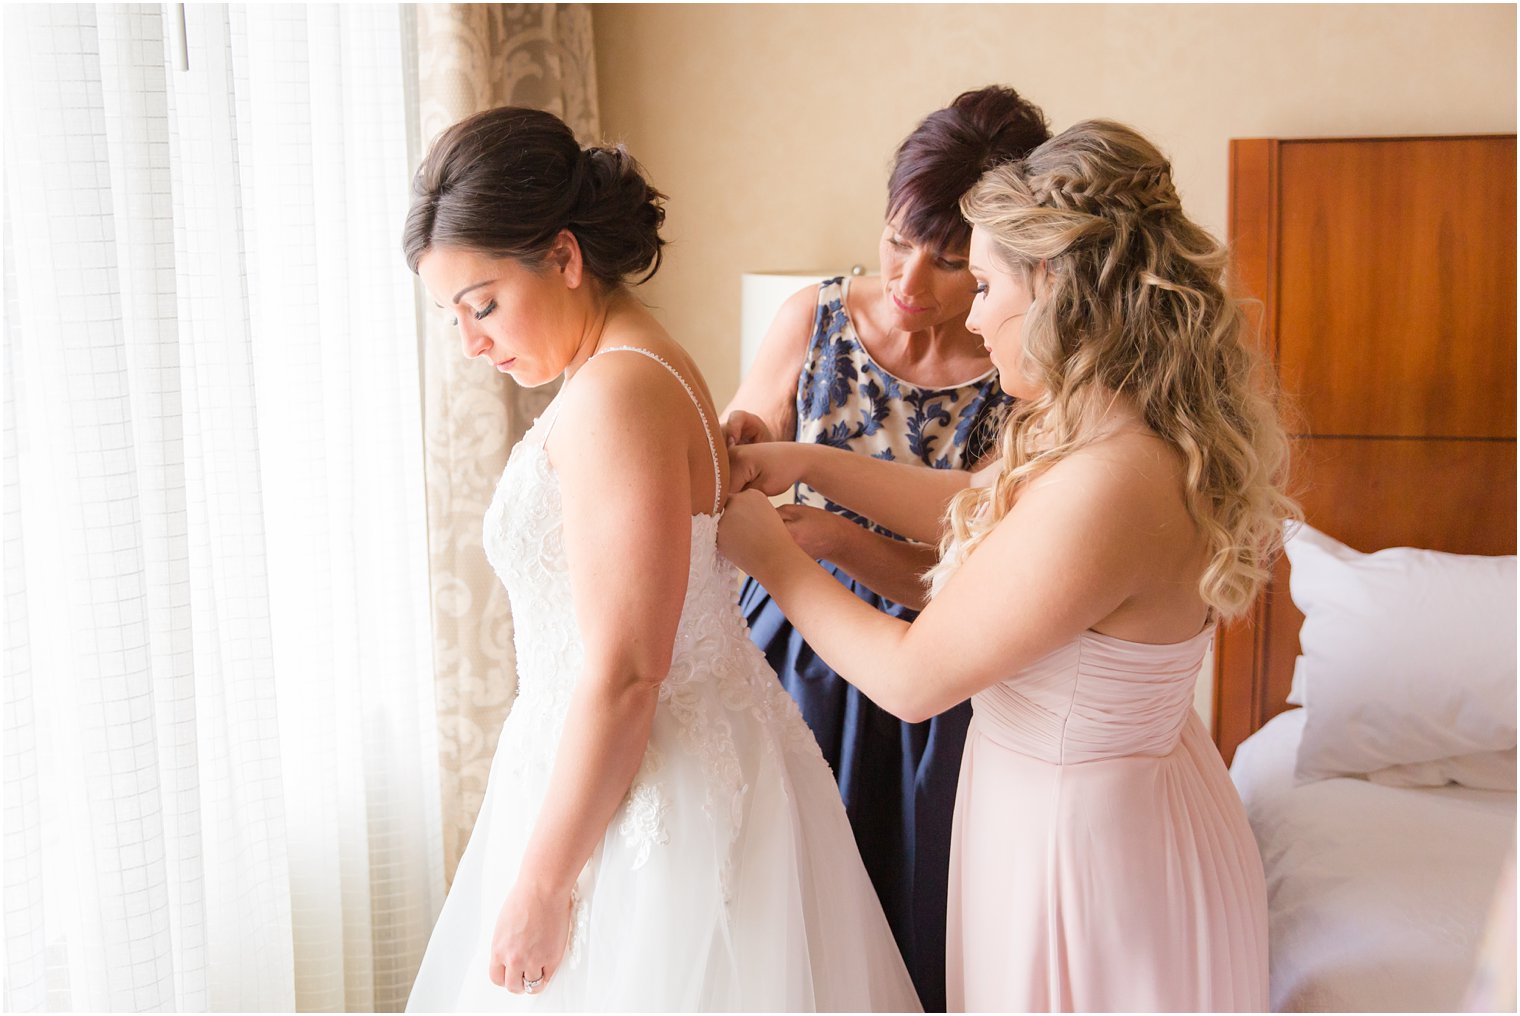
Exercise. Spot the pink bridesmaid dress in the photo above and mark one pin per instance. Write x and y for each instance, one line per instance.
(1101, 859)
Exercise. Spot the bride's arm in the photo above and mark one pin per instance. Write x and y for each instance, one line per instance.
(619, 451)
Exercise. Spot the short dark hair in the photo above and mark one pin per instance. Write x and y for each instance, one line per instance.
(506, 181)
(948, 153)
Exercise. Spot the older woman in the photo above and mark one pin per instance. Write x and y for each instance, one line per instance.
(885, 367)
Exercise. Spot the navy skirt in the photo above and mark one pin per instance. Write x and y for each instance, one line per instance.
(897, 781)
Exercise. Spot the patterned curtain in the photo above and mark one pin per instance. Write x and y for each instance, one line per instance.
(473, 57)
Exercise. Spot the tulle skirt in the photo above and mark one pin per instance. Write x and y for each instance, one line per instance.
(697, 899)
(897, 779)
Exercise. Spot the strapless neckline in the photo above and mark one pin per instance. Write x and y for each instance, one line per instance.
(1187, 643)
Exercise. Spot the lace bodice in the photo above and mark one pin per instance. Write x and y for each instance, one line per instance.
(524, 541)
(717, 680)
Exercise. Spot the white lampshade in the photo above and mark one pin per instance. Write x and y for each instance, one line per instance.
(761, 295)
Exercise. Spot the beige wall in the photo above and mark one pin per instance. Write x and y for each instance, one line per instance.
(771, 127)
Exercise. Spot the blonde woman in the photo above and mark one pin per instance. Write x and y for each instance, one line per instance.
(1101, 859)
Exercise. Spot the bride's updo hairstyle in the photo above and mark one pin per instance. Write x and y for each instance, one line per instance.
(1130, 296)
(505, 182)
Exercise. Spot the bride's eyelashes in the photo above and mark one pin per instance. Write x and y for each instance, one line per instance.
(478, 314)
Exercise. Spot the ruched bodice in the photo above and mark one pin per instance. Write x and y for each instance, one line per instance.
(1094, 698)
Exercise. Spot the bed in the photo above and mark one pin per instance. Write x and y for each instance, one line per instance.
(1379, 896)
(1384, 270)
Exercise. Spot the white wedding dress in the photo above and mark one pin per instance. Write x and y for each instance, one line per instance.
(728, 879)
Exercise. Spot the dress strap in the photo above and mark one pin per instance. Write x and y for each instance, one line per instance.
(552, 412)
(712, 446)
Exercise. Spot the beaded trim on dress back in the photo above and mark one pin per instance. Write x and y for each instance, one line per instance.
(712, 446)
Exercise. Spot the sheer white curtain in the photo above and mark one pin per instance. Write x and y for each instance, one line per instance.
(220, 756)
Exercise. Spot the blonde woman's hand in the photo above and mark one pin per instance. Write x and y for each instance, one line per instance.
(741, 428)
(771, 468)
(529, 942)
(751, 531)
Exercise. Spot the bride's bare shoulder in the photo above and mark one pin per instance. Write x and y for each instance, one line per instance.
(630, 383)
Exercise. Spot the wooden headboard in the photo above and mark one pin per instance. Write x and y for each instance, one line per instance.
(1385, 271)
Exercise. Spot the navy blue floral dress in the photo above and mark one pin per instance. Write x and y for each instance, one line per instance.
(897, 779)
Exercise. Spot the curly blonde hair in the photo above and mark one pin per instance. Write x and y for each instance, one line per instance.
(1132, 300)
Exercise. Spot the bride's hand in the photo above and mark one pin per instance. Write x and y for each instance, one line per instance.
(750, 530)
(531, 934)
(770, 468)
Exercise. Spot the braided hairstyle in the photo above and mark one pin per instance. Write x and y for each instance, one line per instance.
(506, 181)
(1131, 298)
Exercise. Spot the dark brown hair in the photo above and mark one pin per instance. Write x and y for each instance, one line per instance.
(506, 181)
(948, 153)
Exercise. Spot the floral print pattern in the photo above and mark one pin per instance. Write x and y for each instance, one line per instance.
(847, 400)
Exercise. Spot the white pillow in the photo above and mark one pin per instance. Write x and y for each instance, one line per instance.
(1408, 656)
(1296, 689)
(1484, 770)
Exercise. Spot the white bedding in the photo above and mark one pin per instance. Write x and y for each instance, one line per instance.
(1378, 896)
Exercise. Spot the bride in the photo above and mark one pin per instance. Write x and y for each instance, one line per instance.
(660, 830)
